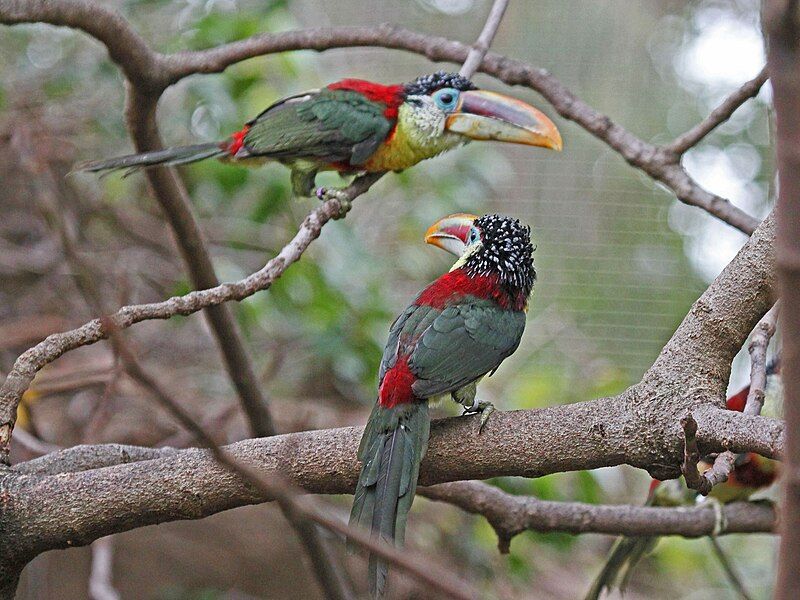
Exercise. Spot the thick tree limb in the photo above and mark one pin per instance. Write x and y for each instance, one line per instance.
(191, 484)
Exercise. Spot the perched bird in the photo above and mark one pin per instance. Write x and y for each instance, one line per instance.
(456, 331)
(356, 126)
(752, 472)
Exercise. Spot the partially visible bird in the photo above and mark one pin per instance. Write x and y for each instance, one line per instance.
(354, 126)
(752, 472)
(457, 330)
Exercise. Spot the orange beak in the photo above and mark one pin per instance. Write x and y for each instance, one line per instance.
(450, 233)
(484, 115)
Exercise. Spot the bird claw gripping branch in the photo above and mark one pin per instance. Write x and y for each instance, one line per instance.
(345, 203)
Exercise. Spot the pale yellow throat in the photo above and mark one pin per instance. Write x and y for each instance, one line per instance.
(413, 140)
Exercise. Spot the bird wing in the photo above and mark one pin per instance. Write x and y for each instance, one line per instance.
(331, 125)
(404, 332)
(463, 343)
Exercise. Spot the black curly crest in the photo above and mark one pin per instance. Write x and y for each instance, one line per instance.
(506, 250)
(427, 84)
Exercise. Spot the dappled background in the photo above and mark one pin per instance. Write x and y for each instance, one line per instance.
(619, 262)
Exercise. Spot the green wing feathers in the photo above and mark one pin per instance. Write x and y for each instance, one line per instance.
(393, 445)
(330, 125)
(464, 343)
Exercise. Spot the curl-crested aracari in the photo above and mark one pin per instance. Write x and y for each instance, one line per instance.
(752, 472)
(354, 126)
(457, 330)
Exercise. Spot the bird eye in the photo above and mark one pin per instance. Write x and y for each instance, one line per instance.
(474, 236)
(446, 99)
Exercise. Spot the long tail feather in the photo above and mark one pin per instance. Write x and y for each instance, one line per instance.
(618, 568)
(180, 155)
(394, 442)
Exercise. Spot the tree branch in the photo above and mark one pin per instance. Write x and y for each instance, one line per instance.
(52, 347)
(510, 515)
(169, 485)
(484, 41)
(719, 115)
(759, 342)
(156, 71)
(725, 462)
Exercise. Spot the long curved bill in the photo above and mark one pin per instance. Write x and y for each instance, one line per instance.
(484, 115)
(450, 233)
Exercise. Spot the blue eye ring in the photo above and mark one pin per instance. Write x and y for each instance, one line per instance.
(474, 236)
(446, 98)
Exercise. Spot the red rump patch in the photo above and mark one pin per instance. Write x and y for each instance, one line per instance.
(738, 400)
(458, 283)
(390, 95)
(396, 385)
(237, 141)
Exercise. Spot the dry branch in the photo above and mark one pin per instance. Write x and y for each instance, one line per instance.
(154, 72)
(757, 348)
(484, 41)
(52, 347)
(719, 115)
(510, 515)
(725, 462)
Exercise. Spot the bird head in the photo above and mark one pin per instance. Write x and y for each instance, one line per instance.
(488, 245)
(443, 103)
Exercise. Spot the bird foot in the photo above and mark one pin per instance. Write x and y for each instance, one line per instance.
(345, 204)
(484, 408)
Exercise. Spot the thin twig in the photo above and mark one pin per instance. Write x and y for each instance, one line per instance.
(719, 115)
(101, 575)
(762, 334)
(726, 565)
(484, 41)
(725, 462)
(31, 361)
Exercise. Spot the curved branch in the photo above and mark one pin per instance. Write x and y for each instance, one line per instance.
(510, 515)
(719, 115)
(52, 347)
(156, 71)
(662, 164)
(125, 46)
